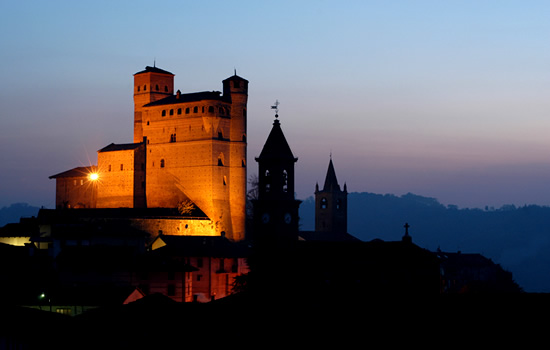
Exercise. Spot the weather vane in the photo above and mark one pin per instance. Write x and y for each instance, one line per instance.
(276, 108)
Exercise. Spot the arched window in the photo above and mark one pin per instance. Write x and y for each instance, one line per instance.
(324, 203)
(162, 163)
(211, 109)
(285, 181)
(195, 109)
(164, 113)
(171, 112)
(157, 87)
(187, 110)
(220, 135)
(179, 110)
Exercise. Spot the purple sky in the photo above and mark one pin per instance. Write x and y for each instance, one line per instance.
(446, 99)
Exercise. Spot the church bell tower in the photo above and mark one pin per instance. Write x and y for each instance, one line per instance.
(276, 209)
(331, 205)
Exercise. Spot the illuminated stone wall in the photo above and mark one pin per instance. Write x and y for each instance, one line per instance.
(116, 179)
(75, 192)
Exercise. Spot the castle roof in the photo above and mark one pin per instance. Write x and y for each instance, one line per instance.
(235, 77)
(120, 147)
(76, 172)
(149, 69)
(276, 146)
(197, 246)
(190, 97)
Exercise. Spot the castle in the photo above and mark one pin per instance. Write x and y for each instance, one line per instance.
(188, 153)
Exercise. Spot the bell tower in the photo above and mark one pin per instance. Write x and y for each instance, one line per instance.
(331, 205)
(276, 209)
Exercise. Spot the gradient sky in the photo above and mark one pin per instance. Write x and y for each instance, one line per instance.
(446, 99)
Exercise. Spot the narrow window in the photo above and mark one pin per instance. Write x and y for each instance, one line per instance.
(162, 163)
(195, 109)
(323, 203)
(220, 135)
(144, 87)
(147, 122)
(121, 166)
(139, 88)
(109, 167)
(157, 87)
(165, 88)
(179, 110)
(164, 113)
(285, 181)
(243, 164)
(171, 112)
(244, 138)
(225, 180)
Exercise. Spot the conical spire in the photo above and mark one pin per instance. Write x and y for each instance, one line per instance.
(331, 183)
(276, 146)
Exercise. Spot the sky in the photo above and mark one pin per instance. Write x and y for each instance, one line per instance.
(445, 99)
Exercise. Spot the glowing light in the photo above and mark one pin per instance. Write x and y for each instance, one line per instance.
(94, 176)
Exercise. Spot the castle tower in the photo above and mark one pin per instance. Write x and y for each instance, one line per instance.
(331, 205)
(235, 89)
(276, 210)
(150, 85)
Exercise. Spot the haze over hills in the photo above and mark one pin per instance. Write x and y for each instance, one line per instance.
(517, 238)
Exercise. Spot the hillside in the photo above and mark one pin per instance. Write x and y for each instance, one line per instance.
(517, 238)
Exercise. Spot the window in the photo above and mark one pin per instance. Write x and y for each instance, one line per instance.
(173, 138)
(211, 109)
(221, 159)
(157, 87)
(225, 180)
(165, 88)
(138, 88)
(121, 167)
(220, 135)
(338, 204)
(163, 113)
(147, 122)
(244, 138)
(109, 167)
(162, 163)
(144, 87)
(285, 181)
(179, 110)
(323, 203)
(236, 84)
(81, 182)
(187, 110)
(63, 310)
(171, 112)
(243, 164)
(195, 109)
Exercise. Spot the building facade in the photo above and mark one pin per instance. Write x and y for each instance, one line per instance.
(189, 150)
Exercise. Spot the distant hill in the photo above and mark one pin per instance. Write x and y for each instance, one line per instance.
(16, 211)
(517, 238)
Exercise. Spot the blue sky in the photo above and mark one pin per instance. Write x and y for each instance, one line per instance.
(447, 99)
